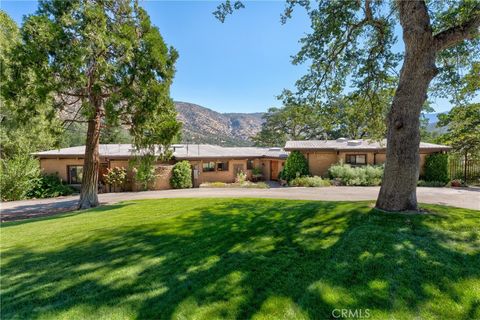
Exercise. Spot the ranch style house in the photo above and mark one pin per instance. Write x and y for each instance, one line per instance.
(211, 163)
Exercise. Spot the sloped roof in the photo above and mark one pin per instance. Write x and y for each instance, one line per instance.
(197, 151)
(106, 150)
(180, 151)
(341, 144)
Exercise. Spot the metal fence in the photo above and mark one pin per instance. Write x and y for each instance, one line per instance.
(459, 169)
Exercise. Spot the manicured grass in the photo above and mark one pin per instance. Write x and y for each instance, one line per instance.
(243, 258)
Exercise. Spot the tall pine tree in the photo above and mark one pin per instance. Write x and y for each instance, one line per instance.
(105, 58)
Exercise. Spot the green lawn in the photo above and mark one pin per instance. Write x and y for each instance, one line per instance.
(248, 258)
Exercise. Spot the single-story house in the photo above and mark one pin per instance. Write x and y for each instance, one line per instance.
(321, 154)
(210, 163)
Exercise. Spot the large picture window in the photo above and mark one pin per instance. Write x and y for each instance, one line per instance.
(75, 174)
(212, 166)
(208, 166)
(356, 159)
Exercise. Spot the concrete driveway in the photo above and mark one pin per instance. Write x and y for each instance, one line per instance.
(458, 197)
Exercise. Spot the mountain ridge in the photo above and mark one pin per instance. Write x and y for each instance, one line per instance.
(204, 125)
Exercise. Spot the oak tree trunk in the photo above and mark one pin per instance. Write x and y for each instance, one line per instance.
(398, 191)
(91, 164)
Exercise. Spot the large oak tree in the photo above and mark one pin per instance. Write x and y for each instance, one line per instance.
(106, 59)
(352, 44)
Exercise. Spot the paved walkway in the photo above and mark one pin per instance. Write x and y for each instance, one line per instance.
(458, 197)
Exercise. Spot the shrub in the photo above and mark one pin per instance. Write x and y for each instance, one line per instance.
(49, 186)
(257, 171)
(18, 176)
(295, 166)
(241, 177)
(436, 167)
(115, 176)
(181, 175)
(347, 175)
(309, 182)
(422, 183)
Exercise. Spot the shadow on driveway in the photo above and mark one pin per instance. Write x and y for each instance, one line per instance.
(34, 210)
(468, 198)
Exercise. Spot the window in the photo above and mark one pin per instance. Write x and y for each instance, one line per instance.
(222, 166)
(249, 164)
(354, 159)
(208, 166)
(75, 174)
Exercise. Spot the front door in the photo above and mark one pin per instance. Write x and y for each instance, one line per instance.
(273, 170)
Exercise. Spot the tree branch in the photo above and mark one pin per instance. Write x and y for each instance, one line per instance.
(73, 94)
(454, 35)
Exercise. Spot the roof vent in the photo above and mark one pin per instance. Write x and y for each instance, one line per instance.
(341, 139)
(354, 142)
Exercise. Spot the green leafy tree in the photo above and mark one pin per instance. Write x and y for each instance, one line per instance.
(296, 166)
(110, 135)
(18, 176)
(20, 135)
(358, 115)
(19, 171)
(354, 40)
(292, 122)
(354, 116)
(106, 59)
(463, 131)
(181, 175)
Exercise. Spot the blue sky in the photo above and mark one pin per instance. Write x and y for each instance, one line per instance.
(238, 66)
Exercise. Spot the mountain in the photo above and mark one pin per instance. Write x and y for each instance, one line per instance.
(203, 125)
(432, 123)
(432, 117)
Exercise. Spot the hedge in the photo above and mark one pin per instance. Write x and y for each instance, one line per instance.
(436, 167)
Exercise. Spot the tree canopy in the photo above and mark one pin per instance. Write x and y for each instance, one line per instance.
(20, 137)
(351, 49)
(463, 128)
(101, 63)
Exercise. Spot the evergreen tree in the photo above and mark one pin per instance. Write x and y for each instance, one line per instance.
(104, 57)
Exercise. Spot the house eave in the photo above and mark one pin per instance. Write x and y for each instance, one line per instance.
(383, 150)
